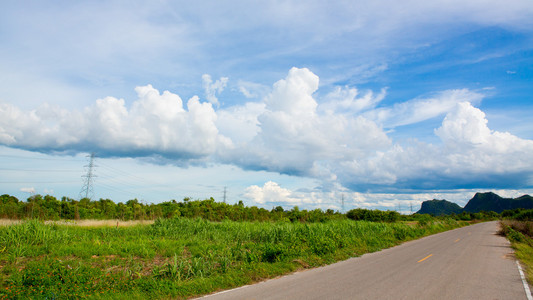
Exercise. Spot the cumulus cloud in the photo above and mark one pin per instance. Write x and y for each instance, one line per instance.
(342, 140)
(240, 123)
(472, 145)
(338, 140)
(470, 156)
(293, 95)
(154, 124)
(295, 137)
(270, 192)
(466, 128)
(212, 89)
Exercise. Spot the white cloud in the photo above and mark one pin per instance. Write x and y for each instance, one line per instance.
(420, 109)
(471, 155)
(213, 88)
(346, 100)
(30, 190)
(271, 192)
(465, 126)
(472, 145)
(465, 129)
(155, 124)
(294, 95)
(240, 123)
(295, 137)
(252, 90)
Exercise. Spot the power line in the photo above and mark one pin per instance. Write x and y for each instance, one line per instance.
(122, 173)
(116, 189)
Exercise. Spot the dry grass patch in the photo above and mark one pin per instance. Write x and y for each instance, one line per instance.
(84, 223)
(102, 223)
(8, 222)
(112, 223)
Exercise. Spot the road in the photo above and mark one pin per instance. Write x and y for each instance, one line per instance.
(466, 263)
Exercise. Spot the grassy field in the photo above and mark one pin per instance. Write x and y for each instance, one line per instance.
(179, 257)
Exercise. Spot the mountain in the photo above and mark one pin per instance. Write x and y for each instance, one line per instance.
(439, 207)
(492, 202)
(480, 202)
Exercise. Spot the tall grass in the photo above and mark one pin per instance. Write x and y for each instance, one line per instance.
(179, 257)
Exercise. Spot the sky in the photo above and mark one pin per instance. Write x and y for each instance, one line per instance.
(315, 104)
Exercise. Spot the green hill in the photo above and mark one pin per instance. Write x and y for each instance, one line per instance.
(492, 202)
(480, 202)
(439, 207)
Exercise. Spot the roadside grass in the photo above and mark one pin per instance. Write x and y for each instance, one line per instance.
(520, 234)
(179, 257)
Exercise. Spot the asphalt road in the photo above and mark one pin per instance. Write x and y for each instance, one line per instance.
(467, 263)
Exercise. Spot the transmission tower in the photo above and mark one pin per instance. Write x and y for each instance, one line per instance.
(88, 179)
(342, 199)
(224, 194)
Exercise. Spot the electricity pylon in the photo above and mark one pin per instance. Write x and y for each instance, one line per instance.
(88, 179)
(224, 194)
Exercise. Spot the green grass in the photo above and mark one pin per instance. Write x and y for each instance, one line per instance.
(520, 234)
(179, 258)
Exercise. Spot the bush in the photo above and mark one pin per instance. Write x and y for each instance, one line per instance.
(273, 252)
(526, 215)
(360, 214)
(523, 227)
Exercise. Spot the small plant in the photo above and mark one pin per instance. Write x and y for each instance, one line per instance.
(173, 269)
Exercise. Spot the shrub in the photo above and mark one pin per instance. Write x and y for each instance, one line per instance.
(375, 215)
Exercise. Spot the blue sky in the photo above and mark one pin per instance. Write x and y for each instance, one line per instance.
(384, 104)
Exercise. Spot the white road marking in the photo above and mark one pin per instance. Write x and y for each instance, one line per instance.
(524, 282)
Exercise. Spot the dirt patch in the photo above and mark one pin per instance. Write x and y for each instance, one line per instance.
(302, 263)
(509, 255)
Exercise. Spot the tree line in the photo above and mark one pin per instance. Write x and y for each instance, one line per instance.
(50, 208)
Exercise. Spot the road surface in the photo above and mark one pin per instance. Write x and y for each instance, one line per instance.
(466, 263)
